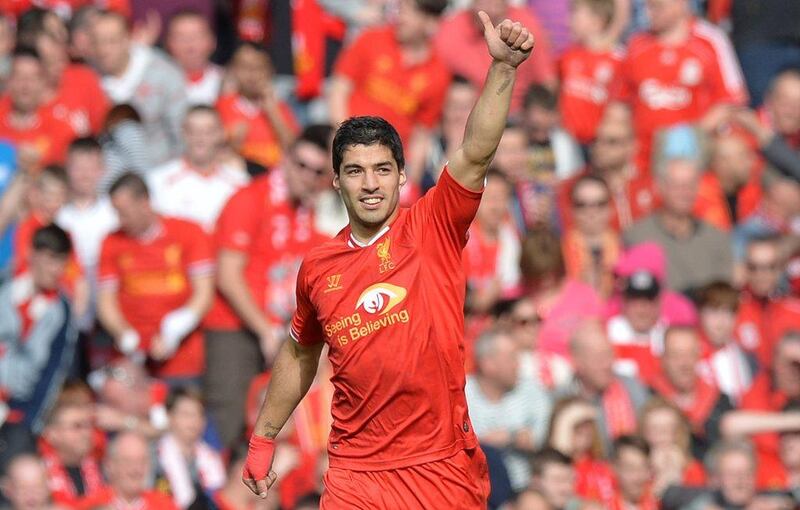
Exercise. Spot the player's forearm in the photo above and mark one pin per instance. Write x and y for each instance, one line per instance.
(292, 375)
(745, 423)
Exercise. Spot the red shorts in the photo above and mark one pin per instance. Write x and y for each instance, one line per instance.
(460, 481)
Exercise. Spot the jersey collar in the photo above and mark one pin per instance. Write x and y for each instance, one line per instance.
(352, 242)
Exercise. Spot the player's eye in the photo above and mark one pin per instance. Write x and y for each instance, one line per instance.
(354, 171)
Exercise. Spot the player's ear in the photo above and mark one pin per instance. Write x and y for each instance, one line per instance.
(402, 176)
(336, 181)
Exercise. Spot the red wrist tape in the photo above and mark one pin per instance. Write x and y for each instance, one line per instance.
(259, 458)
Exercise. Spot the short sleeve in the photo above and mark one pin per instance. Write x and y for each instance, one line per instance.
(305, 328)
(108, 272)
(237, 224)
(726, 82)
(199, 255)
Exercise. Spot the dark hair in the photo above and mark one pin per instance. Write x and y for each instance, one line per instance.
(546, 456)
(311, 499)
(494, 173)
(258, 48)
(119, 113)
(719, 294)
(130, 181)
(318, 135)
(80, 18)
(186, 12)
(181, 392)
(108, 13)
(84, 144)
(460, 79)
(23, 51)
(56, 172)
(541, 96)
(679, 328)
(52, 238)
(586, 178)
(541, 256)
(432, 7)
(31, 24)
(629, 441)
(366, 131)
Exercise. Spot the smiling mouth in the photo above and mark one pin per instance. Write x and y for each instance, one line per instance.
(371, 202)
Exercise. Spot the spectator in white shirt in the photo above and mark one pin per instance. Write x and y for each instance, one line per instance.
(197, 185)
(190, 41)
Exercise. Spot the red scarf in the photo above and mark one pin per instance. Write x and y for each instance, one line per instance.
(699, 409)
(619, 411)
(61, 485)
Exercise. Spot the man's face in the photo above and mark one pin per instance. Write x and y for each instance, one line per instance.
(190, 42)
(641, 312)
(502, 365)
(369, 182)
(665, 14)
(736, 478)
(790, 450)
(783, 105)
(251, 72)
(513, 155)
(204, 136)
(632, 468)
(306, 166)
(412, 25)
(493, 208)
(732, 160)
(557, 484)
(592, 208)
(47, 268)
(614, 144)
(680, 358)
(85, 169)
(540, 122)
(763, 268)
(26, 486)
(678, 187)
(129, 468)
(786, 370)
(111, 44)
(53, 52)
(26, 84)
(594, 359)
(134, 212)
(784, 198)
(187, 421)
(719, 324)
(48, 196)
(524, 324)
(458, 104)
(71, 433)
(660, 428)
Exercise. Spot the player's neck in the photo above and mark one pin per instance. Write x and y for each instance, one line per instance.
(365, 234)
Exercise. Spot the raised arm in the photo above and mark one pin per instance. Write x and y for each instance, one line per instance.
(509, 44)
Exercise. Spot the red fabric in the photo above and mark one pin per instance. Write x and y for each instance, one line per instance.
(712, 206)
(694, 475)
(697, 411)
(771, 475)
(61, 486)
(153, 278)
(260, 452)
(261, 144)
(594, 479)
(755, 322)
(149, 500)
(392, 316)
(641, 354)
(383, 85)
(783, 316)
(480, 259)
(311, 27)
(460, 43)
(262, 222)
(637, 201)
(586, 76)
(49, 135)
(668, 85)
(80, 100)
(619, 411)
(461, 478)
(648, 502)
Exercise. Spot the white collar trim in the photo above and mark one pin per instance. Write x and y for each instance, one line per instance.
(353, 242)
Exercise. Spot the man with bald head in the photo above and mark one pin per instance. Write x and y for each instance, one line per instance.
(617, 398)
(25, 484)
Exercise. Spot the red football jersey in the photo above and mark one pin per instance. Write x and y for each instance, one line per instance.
(48, 135)
(668, 85)
(152, 278)
(261, 221)
(392, 314)
(586, 77)
(80, 100)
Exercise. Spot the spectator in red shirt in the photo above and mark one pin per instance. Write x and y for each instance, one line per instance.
(460, 45)
(682, 70)
(632, 474)
(128, 467)
(190, 41)
(25, 484)
(40, 138)
(588, 68)
(394, 72)
(155, 284)
(258, 125)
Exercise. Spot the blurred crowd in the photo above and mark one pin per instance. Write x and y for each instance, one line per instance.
(633, 308)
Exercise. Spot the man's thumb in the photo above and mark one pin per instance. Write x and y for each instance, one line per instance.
(486, 20)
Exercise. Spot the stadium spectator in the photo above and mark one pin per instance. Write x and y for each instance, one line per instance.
(780, 110)
(682, 70)
(190, 41)
(80, 45)
(588, 68)
(507, 412)
(67, 448)
(461, 96)
(192, 468)
(553, 152)
(459, 42)
(678, 382)
(790, 463)
(616, 398)
(125, 146)
(25, 484)
(513, 154)
(40, 138)
(522, 321)
(155, 284)
(631, 461)
(491, 257)
(779, 151)
(697, 253)
(258, 125)
(561, 303)
(196, 186)
(262, 233)
(574, 432)
(128, 467)
(393, 71)
(37, 337)
(144, 78)
(553, 476)
(730, 190)
(725, 363)
(591, 247)
(531, 500)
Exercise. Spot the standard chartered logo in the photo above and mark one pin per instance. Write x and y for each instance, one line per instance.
(377, 300)
(380, 298)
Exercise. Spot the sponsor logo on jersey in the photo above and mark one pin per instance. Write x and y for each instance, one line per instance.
(376, 308)
(334, 283)
(380, 298)
(385, 256)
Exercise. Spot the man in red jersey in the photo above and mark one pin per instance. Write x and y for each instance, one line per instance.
(387, 297)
